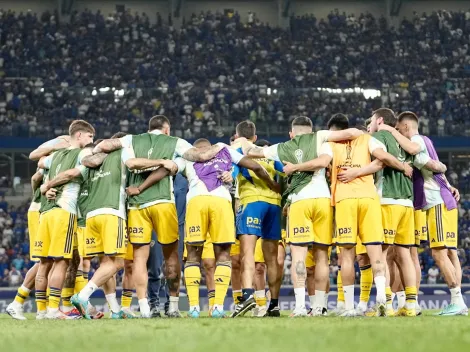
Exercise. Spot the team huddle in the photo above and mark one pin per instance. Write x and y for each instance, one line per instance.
(245, 203)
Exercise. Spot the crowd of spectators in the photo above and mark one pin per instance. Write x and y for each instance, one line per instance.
(217, 69)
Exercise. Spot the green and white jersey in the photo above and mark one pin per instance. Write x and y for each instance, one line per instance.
(36, 201)
(152, 145)
(82, 203)
(392, 185)
(67, 194)
(107, 187)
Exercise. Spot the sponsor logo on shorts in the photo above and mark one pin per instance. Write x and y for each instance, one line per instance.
(344, 230)
(450, 235)
(38, 244)
(91, 240)
(390, 232)
(194, 229)
(253, 221)
(135, 230)
(301, 230)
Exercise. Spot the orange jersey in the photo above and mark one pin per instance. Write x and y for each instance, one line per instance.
(352, 154)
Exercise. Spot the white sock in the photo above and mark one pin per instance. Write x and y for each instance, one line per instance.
(51, 311)
(312, 301)
(299, 297)
(173, 304)
(220, 307)
(348, 297)
(144, 307)
(66, 309)
(88, 290)
(401, 297)
(380, 287)
(455, 295)
(362, 306)
(113, 303)
(197, 308)
(320, 298)
(326, 300)
(418, 307)
(340, 305)
(393, 296)
(25, 289)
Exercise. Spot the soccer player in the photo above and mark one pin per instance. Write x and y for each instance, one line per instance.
(154, 209)
(357, 206)
(209, 210)
(15, 308)
(396, 197)
(434, 195)
(259, 216)
(58, 221)
(310, 213)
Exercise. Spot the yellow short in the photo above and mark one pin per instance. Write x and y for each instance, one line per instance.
(310, 222)
(129, 249)
(398, 224)
(105, 235)
(359, 218)
(360, 248)
(259, 257)
(81, 241)
(56, 235)
(160, 217)
(443, 227)
(209, 214)
(421, 227)
(207, 250)
(310, 259)
(33, 225)
(235, 249)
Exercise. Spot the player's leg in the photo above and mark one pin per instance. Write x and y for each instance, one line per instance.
(69, 286)
(127, 287)
(236, 279)
(15, 308)
(208, 261)
(192, 278)
(41, 286)
(259, 281)
(454, 258)
(366, 278)
(154, 268)
(165, 222)
(348, 254)
(339, 286)
(109, 289)
(222, 276)
(310, 265)
(421, 236)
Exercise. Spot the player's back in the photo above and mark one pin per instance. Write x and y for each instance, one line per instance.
(351, 154)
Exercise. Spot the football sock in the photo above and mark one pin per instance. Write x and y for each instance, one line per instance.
(22, 294)
(401, 298)
(222, 276)
(113, 303)
(260, 298)
(87, 291)
(388, 297)
(85, 276)
(54, 298)
(79, 282)
(299, 297)
(339, 283)
(319, 298)
(48, 293)
(211, 296)
(144, 307)
(455, 295)
(326, 300)
(126, 298)
(236, 294)
(174, 304)
(410, 293)
(273, 303)
(312, 301)
(348, 297)
(366, 283)
(40, 300)
(247, 292)
(380, 287)
(192, 279)
(65, 295)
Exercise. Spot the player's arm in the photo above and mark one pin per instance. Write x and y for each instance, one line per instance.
(49, 147)
(435, 166)
(36, 179)
(309, 166)
(344, 135)
(155, 177)
(258, 170)
(349, 174)
(61, 179)
(185, 150)
(94, 161)
(408, 146)
(109, 145)
(142, 164)
(378, 150)
(45, 162)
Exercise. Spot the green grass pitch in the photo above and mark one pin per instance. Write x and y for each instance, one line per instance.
(426, 333)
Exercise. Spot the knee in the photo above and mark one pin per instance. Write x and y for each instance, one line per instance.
(235, 263)
(260, 269)
(128, 267)
(438, 255)
(209, 266)
(119, 264)
(362, 260)
(311, 272)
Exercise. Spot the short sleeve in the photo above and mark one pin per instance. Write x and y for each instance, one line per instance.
(236, 156)
(420, 160)
(325, 149)
(271, 152)
(52, 142)
(181, 163)
(420, 141)
(126, 141)
(374, 144)
(84, 153)
(127, 153)
(48, 161)
(322, 136)
(83, 170)
(182, 146)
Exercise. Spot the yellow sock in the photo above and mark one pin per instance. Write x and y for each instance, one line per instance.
(41, 300)
(236, 294)
(79, 282)
(126, 298)
(339, 283)
(66, 294)
(211, 296)
(48, 293)
(367, 277)
(22, 294)
(260, 298)
(54, 298)
(192, 278)
(223, 273)
(411, 294)
(85, 276)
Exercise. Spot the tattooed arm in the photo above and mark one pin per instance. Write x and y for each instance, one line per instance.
(61, 179)
(93, 161)
(309, 166)
(36, 180)
(108, 146)
(143, 164)
(201, 155)
(152, 179)
(49, 147)
(260, 172)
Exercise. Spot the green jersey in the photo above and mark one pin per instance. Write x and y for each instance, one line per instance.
(67, 194)
(152, 146)
(392, 185)
(82, 203)
(107, 187)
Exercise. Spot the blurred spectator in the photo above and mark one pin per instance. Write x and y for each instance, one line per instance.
(433, 274)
